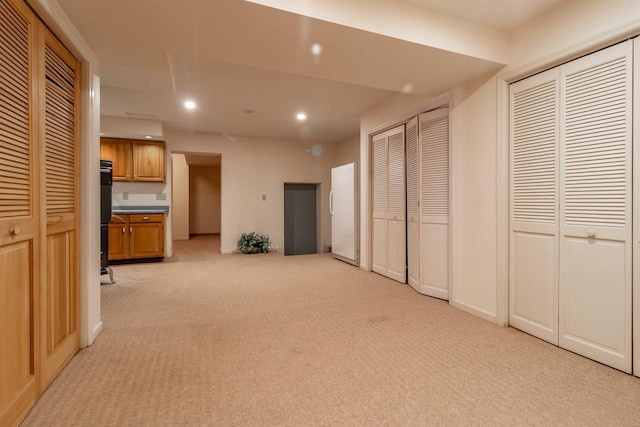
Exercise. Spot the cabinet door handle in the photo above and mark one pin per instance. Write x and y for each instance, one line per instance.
(123, 229)
(144, 218)
(130, 229)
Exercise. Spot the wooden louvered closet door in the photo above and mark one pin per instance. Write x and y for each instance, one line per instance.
(596, 205)
(19, 213)
(434, 203)
(60, 338)
(533, 269)
(389, 211)
(413, 206)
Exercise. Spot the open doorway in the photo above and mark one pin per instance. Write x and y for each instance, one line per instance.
(301, 219)
(197, 192)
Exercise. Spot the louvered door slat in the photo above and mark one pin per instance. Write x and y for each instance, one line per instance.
(13, 107)
(412, 171)
(379, 177)
(605, 133)
(396, 189)
(435, 166)
(60, 133)
(534, 154)
(15, 119)
(11, 53)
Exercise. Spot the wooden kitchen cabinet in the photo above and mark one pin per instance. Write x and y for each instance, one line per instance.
(119, 152)
(148, 161)
(135, 160)
(118, 238)
(136, 236)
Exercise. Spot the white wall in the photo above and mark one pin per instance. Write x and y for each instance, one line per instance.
(204, 199)
(570, 29)
(477, 121)
(253, 167)
(180, 197)
(348, 151)
(126, 127)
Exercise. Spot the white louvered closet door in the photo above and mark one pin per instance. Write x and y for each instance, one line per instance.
(533, 268)
(413, 212)
(595, 230)
(434, 203)
(389, 197)
(396, 213)
(379, 226)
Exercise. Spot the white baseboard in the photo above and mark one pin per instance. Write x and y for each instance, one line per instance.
(227, 251)
(94, 333)
(491, 317)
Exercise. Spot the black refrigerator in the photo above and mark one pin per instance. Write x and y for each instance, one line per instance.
(106, 182)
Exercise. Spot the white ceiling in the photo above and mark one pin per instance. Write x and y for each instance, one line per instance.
(231, 56)
(503, 15)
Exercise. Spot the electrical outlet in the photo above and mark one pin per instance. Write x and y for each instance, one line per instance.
(125, 196)
(161, 196)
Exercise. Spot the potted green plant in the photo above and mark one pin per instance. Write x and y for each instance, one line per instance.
(254, 243)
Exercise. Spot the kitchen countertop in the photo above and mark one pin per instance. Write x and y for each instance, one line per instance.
(139, 209)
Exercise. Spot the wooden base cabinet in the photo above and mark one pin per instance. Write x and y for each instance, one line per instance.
(119, 237)
(136, 236)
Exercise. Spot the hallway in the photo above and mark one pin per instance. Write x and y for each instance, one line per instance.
(210, 339)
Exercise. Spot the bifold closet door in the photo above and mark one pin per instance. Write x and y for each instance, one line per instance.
(60, 338)
(389, 197)
(533, 270)
(433, 150)
(413, 206)
(596, 205)
(19, 212)
(571, 205)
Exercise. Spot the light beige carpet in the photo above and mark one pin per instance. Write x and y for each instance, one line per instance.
(218, 340)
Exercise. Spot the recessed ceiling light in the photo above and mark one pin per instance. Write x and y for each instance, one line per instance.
(316, 49)
(301, 116)
(189, 105)
(148, 136)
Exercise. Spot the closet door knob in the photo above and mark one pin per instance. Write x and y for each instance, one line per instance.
(14, 231)
(591, 234)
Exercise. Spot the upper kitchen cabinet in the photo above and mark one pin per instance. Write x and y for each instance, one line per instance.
(148, 161)
(133, 160)
(119, 152)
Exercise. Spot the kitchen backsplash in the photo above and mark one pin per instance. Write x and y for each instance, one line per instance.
(140, 194)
